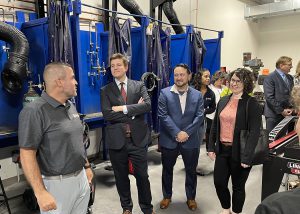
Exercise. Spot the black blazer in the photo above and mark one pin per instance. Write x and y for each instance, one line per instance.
(254, 122)
(115, 131)
(277, 94)
(209, 101)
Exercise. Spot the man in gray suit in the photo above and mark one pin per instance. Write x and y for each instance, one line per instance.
(124, 103)
(277, 89)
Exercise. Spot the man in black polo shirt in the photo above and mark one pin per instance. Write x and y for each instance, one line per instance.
(51, 146)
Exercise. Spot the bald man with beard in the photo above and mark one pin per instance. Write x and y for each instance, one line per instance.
(51, 146)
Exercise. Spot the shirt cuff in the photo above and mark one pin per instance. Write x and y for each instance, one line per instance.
(125, 111)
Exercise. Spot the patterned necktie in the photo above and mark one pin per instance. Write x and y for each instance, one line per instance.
(124, 96)
(286, 81)
(123, 92)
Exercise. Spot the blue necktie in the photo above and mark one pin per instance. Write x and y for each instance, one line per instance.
(286, 81)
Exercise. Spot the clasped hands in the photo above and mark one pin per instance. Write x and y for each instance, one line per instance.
(182, 136)
(120, 108)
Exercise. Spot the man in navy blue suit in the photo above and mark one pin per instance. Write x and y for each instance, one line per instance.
(180, 110)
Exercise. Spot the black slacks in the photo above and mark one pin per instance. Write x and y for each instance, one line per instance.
(207, 132)
(225, 167)
(119, 161)
(190, 159)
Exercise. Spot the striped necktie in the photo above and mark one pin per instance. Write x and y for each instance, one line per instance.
(123, 92)
(124, 96)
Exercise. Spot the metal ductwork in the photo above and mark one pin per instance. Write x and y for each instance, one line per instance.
(275, 8)
(132, 7)
(15, 69)
(172, 16)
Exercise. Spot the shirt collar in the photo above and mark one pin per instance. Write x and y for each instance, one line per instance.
(53, 102)
(174, 89)
(280, 72)
(125, 81)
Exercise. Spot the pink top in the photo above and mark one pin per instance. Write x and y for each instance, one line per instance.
(227, 121)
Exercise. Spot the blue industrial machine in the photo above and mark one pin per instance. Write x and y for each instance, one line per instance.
(181, 51)
(10, 103)
(90, 50)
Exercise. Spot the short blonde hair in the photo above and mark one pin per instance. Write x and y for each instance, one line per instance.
(119, 56)
(297, 70)
(295, 95)
(283, 60)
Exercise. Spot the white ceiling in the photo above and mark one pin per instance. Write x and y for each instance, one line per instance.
(259, 2)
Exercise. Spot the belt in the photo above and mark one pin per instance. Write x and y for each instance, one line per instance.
(60, 177)
(226, 143)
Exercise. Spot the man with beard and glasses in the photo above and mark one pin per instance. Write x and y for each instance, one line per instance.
(181, 114)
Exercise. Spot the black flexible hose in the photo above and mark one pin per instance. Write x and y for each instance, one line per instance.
(172, 16)
(132, 7)
(15, 70)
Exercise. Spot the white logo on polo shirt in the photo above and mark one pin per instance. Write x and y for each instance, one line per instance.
(75, 115)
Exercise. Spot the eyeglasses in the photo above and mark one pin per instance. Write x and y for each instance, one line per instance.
(235, 81)
(288, 64)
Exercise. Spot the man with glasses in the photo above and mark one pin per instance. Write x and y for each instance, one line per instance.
(181, 113)
(277, 89)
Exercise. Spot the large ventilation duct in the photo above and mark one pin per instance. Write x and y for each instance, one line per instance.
(132, 7)
(15, 70)
(276, 8)
(172, 17)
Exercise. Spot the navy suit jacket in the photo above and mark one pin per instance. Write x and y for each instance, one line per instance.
(172, 121)
(277, 94)
(115, 129)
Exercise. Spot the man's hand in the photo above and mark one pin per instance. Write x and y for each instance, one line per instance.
(141, 100)
(117, 108)
(89, 174)
(182, 137)
(46, 201)
(245, 165)
(287, 112)
(211, 155)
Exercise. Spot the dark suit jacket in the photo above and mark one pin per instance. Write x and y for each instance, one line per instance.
(277, 94)
(115, 131)
(254, 122)
(172, 121)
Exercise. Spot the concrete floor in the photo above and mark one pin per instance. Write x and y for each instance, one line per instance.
(107, 199)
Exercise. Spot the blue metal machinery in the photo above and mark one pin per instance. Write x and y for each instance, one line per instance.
(181, 49)
(90, 64)
(10, 105)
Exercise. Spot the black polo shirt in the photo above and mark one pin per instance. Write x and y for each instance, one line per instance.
(56, 132)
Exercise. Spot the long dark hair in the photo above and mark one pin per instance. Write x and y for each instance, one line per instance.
(197, 79)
